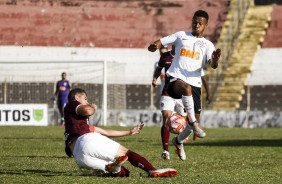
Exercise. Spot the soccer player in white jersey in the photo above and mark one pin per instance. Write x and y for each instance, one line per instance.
(192, 53)
(169, 105)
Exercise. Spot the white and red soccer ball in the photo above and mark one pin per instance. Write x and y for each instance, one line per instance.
(176, 123)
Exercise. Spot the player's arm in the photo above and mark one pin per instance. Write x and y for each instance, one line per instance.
(206, 86)
(86, 110)
(69, 85)
(154, 46)
(119, 133)
(214, 58)
(156, 75)
(56, 92)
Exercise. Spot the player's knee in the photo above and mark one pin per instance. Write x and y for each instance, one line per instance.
(122, 151)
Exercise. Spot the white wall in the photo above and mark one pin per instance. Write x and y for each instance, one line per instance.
(37, 64)
(266, 68)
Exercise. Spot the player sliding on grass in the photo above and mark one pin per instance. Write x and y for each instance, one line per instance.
(94, 150)
(192, 53)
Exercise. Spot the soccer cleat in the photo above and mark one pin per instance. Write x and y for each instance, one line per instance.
(167, 172)
(198, 131)
(179, 149)
(115, 166)
(165, 155)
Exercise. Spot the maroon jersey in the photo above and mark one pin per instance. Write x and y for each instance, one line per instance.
(165, 62)
(75, 125)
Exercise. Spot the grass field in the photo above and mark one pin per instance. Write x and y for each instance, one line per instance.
(227, 155)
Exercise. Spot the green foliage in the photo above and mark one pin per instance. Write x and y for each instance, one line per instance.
(36, 155)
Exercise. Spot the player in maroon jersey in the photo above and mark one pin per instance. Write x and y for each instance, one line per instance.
(168, 105)
(94, 150)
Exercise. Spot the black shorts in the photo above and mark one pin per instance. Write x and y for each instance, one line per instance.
(196, 94)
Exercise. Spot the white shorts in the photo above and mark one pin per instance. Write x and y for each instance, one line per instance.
(170, 104)
(95, 151)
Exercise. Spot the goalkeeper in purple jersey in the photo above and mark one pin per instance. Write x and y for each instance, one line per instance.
(62, 90)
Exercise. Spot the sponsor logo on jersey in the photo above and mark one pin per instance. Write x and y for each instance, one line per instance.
(190, 54)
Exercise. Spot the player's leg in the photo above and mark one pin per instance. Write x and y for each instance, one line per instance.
(198, 120)
(179, 108)
(196, 92)
(116, 168)
(61, 110)
(139, 161)
(180, 87)
(167, 106)
(95, 151)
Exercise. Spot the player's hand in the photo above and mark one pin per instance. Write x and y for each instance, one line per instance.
(54, 98)
(94, 106)
(209, 99)
(154, 82)
(153, 47)
(216, 55)
(136, 129)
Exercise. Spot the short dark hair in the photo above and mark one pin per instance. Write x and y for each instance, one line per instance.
(75, 91)
(201, 13)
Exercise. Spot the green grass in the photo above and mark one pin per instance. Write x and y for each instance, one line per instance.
(36, 155)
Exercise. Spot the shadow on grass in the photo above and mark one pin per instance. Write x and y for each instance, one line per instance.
(36, 156)
(203, 142)
(254, 142)
(31, 138)
(49, 173)
(37, 172)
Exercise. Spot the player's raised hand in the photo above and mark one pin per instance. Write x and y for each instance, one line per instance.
(136, 129)
(214, 58)
(216, 54)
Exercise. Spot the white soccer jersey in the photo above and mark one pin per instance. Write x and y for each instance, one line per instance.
(191, 55)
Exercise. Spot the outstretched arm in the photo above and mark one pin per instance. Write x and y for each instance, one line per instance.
(154, 46)
(215, 57)
(119, 133)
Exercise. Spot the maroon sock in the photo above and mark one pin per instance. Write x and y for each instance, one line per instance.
(165, 137)
(138, 161)
(123, 172)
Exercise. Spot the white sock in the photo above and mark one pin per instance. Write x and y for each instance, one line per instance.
(188, 103)
(184, 134)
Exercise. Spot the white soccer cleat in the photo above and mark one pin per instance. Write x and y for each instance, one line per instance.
(179, 149)
(198, 131)
(167, 172)
(165, 155)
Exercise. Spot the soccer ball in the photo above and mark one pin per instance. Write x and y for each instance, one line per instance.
(176, 123)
